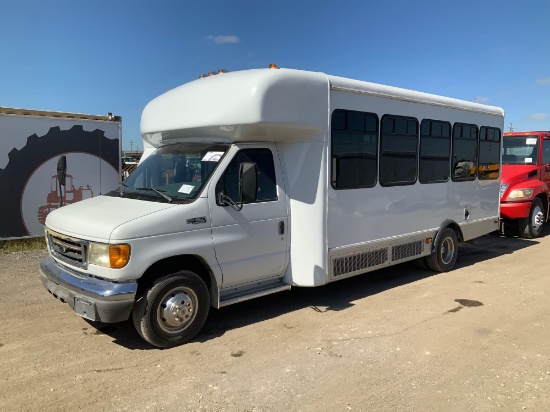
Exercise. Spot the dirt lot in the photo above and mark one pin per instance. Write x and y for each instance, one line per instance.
(476, 338)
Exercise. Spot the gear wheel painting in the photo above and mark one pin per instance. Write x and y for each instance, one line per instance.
(39, 149)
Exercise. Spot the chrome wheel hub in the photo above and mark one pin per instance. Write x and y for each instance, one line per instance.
(447, 250)
(177, 310)
(538, 219)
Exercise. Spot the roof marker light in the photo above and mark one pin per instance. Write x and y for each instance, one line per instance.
(202, 76)
(273, 66)
(222, 71)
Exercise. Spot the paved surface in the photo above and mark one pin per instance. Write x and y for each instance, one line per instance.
(404, 338)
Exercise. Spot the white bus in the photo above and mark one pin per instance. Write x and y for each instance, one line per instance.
(265, 179)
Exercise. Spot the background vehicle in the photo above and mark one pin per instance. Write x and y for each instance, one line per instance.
(525, 185)
(256, 181)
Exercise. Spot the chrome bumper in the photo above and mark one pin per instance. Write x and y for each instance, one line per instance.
(94, 299)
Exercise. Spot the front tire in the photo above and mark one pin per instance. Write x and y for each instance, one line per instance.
(531, 227)
(444, 256)
(173, 310)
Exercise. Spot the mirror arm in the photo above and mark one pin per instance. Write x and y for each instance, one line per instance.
(226, 200)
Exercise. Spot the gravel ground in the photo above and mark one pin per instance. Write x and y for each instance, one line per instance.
(403, 338)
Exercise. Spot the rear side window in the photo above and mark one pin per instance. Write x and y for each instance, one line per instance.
(489, 153)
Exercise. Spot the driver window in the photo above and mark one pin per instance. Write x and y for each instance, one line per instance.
(267, 187)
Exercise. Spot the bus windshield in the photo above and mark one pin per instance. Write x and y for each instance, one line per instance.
(522, 150)
(174, 173)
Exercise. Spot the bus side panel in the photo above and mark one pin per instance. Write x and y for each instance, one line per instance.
(390, 215)
(305, 171)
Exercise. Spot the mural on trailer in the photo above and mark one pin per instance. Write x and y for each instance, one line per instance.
(29, 151)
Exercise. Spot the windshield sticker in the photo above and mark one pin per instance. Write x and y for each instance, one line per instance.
(212, 157)
(531, 141)
(186, 189)
(528, 160)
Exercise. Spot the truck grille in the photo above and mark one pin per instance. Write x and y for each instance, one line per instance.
(68, 249)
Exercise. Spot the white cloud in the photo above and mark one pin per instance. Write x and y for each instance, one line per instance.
(481, 99)
(544, 82)
(223, 39)
(538, 116)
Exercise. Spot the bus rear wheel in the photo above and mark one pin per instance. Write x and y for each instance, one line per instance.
(531, 227)
(445, 253)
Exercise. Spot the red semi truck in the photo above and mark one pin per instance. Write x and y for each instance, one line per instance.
(525, 182)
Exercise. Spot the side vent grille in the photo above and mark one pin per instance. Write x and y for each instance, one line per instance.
(359, 261)
(406, 250)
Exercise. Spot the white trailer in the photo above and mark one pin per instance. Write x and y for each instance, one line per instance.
(266, 179)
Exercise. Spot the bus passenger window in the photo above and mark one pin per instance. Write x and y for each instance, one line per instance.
(489, 153)
(464, 163)
(398, 151)
(435, 151)
(354, 147)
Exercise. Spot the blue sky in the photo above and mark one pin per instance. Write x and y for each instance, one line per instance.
(96, 57)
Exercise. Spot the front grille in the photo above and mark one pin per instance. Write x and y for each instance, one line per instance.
(406, 250)
(359, 261)
(68, 249)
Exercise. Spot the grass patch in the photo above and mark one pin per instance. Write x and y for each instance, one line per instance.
(21, 245)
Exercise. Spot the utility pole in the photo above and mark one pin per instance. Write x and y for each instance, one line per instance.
(511, 128)
(131, 145)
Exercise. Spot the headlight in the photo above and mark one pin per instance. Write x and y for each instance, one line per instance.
(109, 256)
(520, 194)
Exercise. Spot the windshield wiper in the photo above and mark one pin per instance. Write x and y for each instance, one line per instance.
(170, 200)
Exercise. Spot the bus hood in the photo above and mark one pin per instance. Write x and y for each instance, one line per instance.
(106, 218)
(517, 173)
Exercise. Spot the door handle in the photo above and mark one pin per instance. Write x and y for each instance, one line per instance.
(281, 228)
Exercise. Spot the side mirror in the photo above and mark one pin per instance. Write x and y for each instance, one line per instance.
(248, 182)
(62, 170)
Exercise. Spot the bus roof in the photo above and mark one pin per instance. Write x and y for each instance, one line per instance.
(260, 104)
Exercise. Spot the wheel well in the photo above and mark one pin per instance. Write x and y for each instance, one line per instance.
(456, 228)
(173, 264)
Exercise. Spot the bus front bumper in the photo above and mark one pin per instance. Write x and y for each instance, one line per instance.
(93, 299)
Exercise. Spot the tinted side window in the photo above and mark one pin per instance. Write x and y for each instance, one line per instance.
(545, 151)
(398, 150)
(435, 151)
(354, 147)
(489, 153)
(267, 187)
(464, 165)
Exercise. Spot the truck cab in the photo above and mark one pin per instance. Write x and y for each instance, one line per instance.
(524, 190)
